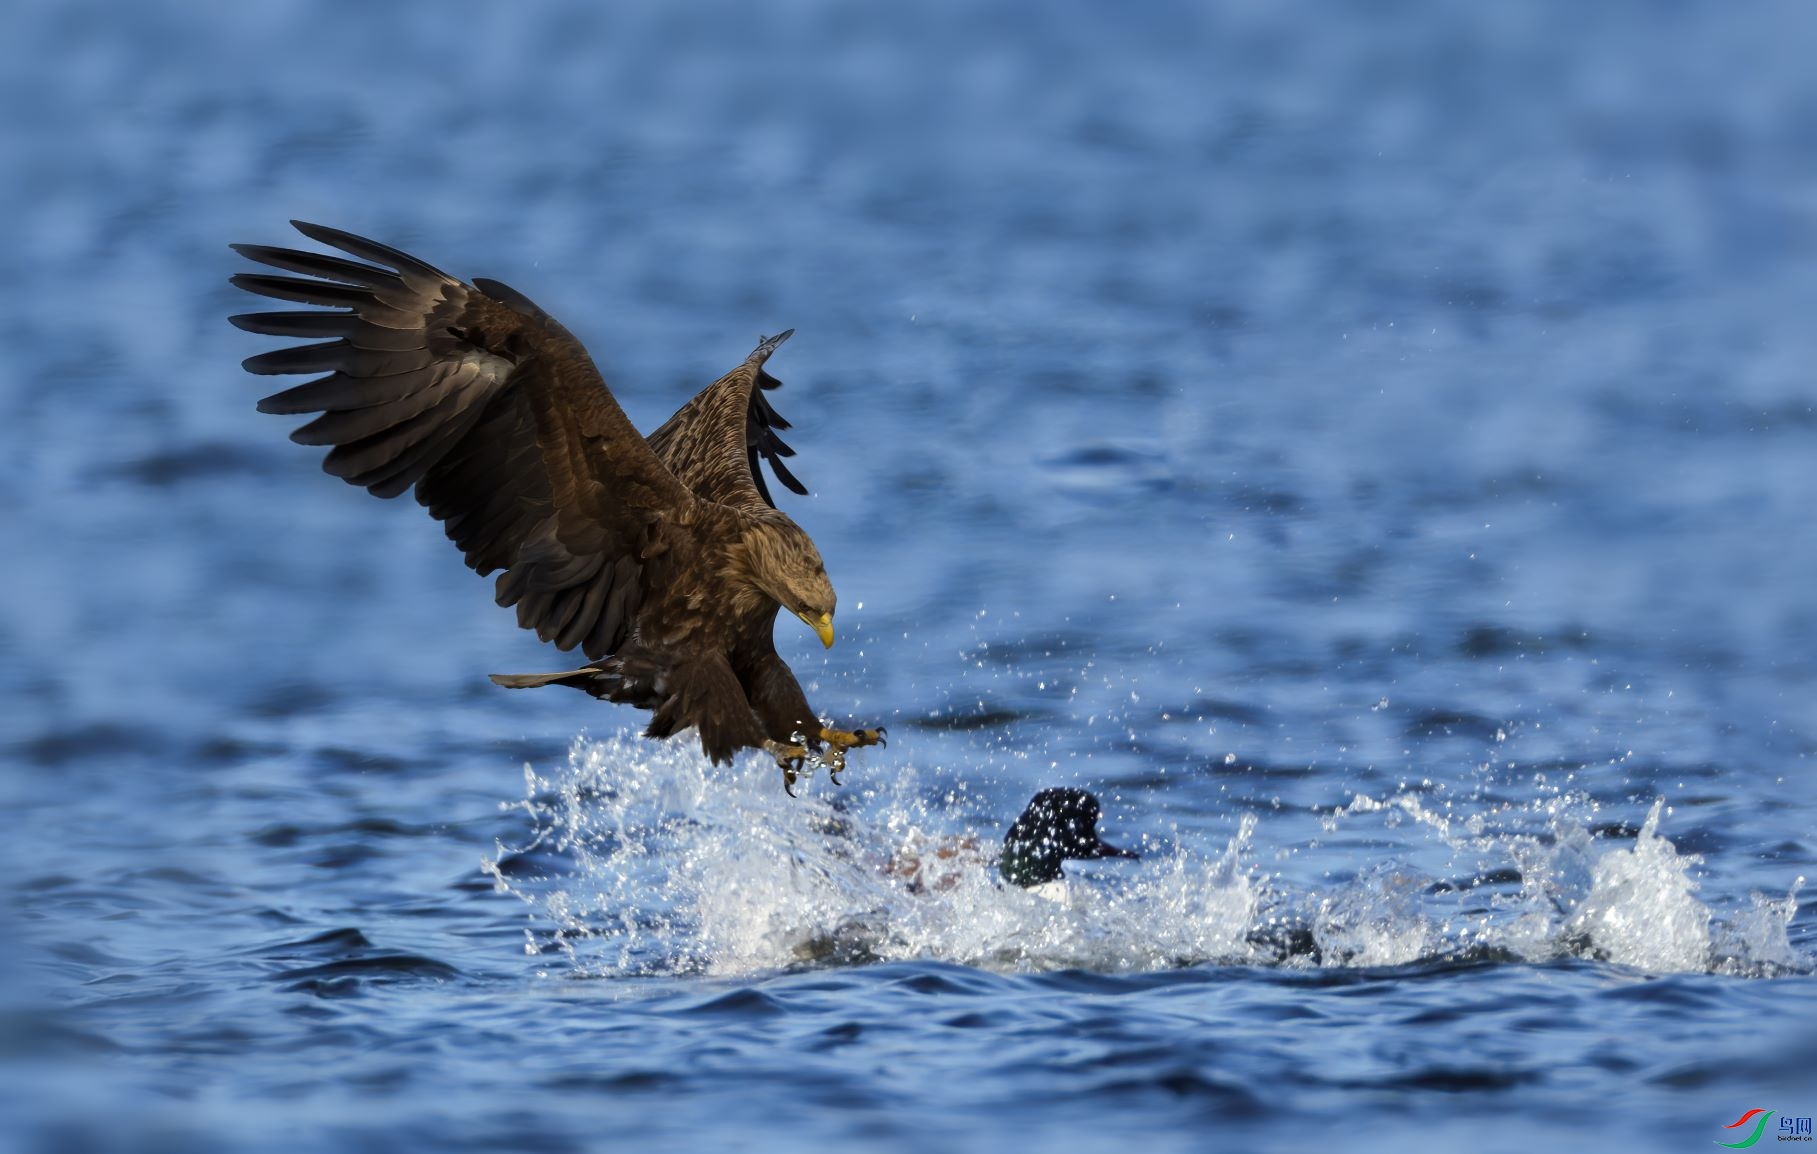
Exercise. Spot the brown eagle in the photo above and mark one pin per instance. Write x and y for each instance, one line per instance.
(664, 559)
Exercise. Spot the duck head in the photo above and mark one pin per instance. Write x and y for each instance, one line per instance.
(1059, 825)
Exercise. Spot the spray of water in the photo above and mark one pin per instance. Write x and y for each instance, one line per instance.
(643, 859)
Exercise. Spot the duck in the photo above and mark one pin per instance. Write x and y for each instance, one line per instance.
(1058, 825)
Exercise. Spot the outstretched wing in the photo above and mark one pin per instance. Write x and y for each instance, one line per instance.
(491, 409)
(713, 442)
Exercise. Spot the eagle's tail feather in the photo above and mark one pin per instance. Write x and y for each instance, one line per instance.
(574, 677)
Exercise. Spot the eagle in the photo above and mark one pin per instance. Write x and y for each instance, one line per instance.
(663, 559)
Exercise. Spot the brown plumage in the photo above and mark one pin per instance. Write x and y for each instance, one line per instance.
(664, 560)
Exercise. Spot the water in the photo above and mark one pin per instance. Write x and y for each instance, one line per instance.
(1371, 450)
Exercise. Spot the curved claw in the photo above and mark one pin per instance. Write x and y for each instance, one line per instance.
(789, 758)
(834, 759)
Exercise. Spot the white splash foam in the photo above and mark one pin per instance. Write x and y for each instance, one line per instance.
(1633, 905)
(1375, 921)
(665, 864)
(678, 866)
(1758, 934)
(1642, 911)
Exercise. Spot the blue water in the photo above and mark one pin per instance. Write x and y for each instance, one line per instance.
(1372, 447)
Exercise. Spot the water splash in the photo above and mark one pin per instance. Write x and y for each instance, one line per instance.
(643, 859)
(1641, 910)
(1545, 888)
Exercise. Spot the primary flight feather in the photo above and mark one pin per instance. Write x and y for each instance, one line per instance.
(663, 559)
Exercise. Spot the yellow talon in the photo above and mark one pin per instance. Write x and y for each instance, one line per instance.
(837, 741)
(843, 739)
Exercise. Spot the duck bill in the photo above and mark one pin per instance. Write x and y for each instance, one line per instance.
(822, 627)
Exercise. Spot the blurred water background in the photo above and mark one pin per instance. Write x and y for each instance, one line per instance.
(1370, 446)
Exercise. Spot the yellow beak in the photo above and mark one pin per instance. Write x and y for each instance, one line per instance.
(822, 625)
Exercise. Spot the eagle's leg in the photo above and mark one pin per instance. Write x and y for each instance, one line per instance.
(837, 741)
(789, 758)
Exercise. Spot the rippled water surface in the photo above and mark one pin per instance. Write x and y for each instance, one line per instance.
(1373, 449)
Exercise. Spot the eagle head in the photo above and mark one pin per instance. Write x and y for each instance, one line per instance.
(786, 566)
